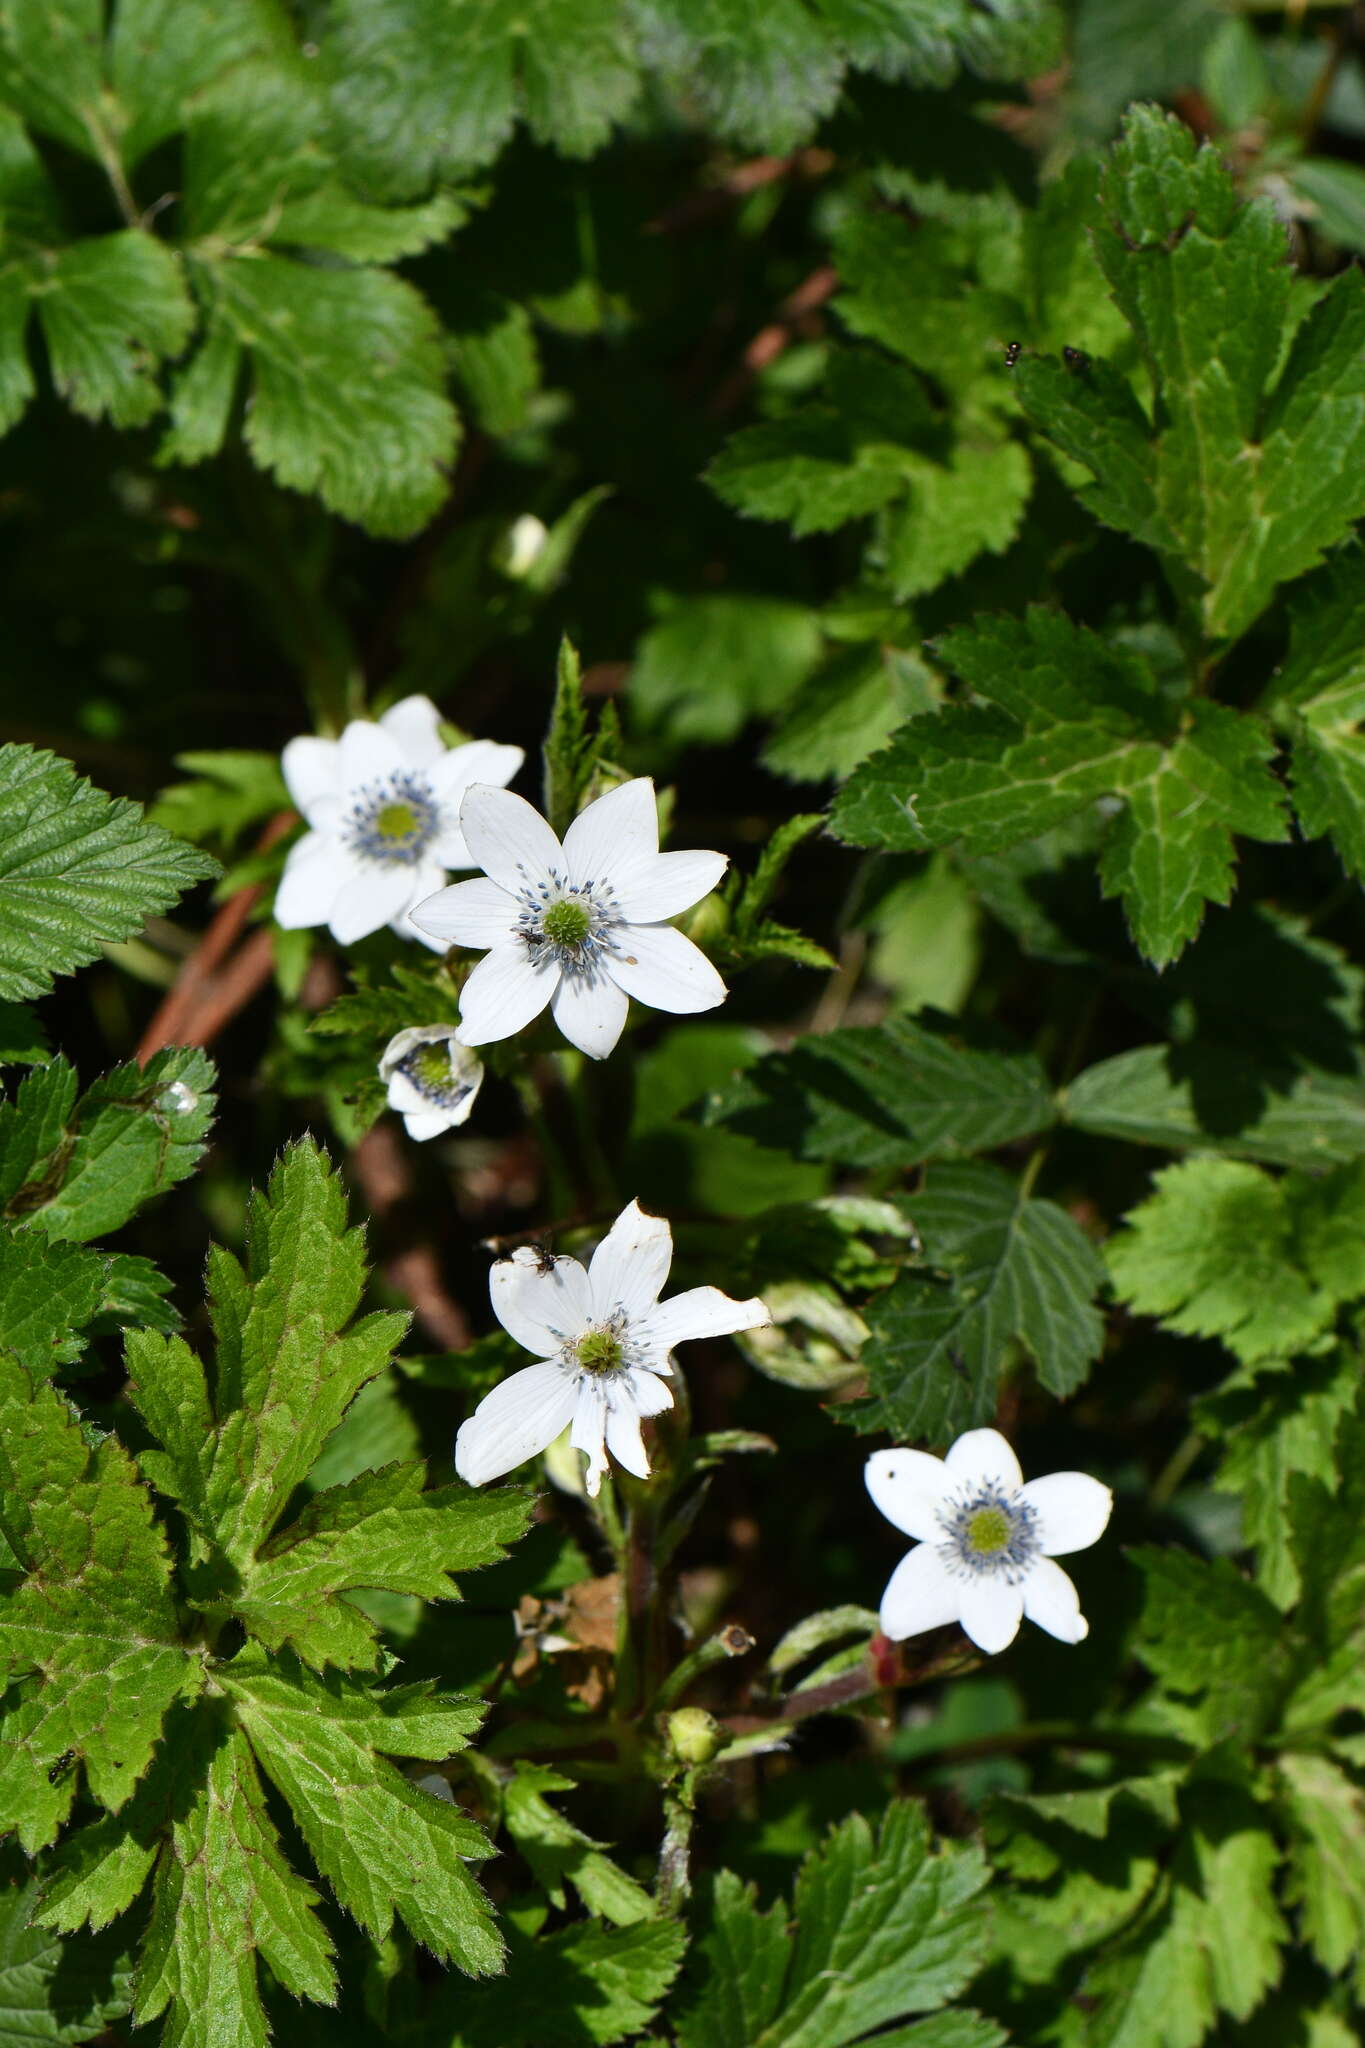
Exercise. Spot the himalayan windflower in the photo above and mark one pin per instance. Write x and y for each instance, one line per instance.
(986, 1541)
(603, 1341)
(579, 926)
(383, 807)
(432, 1081)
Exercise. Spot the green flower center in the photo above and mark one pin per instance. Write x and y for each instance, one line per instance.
(599, 1352)
(431, 1064)
(396, 821)
(567, 924)
(989, 1531)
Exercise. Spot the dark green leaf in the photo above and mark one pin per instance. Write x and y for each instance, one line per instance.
(1015, 1271)
(887, 1095)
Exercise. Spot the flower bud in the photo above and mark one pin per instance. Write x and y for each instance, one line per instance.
(694, 1736)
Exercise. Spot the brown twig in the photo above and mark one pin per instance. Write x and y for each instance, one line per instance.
(737, 184)
(768, 344)
(210, 988)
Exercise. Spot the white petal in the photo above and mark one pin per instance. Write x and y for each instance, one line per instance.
(992, 1610)
(591, 1014)
(424, 883)
(367, 900)
(650, 1394)
(405, 1096)
(314, 874)
(631, 1264)
(909, 1487)
(506, 990)
(475, 914)
(670, 883)
(1072, 1508)
(406, 1041)
(624, 1440)
(616, 837)
(312, 770)
(508, 840)
(590, 1433)
(1051, 1600)
(520, 1417)
(983, 1455)
(415, 723)
(478, 761)
(541, 1310)
(700, 1312)
(427, 1123)
(921, 1593)
(660, 967)
(367, 753)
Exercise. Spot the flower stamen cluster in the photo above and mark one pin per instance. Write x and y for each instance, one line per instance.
(987, 1530)
(392, 821)
(572, 923)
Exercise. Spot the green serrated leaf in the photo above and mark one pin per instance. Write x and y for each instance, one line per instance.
(1222, 1250)
(586, 1986)
(1326, 1813)
(1196, 1096)
(340, 362)
(381, 1532)
(1249, 469)
(558, 1851)
(91, 1618)
(1209, 1942)
(1228, 1686)
(48, 1294)
(1282, 1424)
(133, 1134)
(385, 1847)
(1015, 1271)
(884, 1925)
(287, 1368)
(1071, 719)
(223, 1894)
(564, 67)
(50, 1989)
(892, 1094)
(78, 870)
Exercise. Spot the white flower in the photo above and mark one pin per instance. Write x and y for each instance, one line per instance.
(383, 803)
(603, 1339)
(433, 1081)
(986, 1541)
(579, 926)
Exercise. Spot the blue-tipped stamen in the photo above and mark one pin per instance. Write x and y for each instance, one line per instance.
(571, 923)
(392, 821)
(989, 1532)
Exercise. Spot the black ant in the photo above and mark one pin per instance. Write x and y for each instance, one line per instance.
(1013, 352)
(1076, 359)
(545, 1258)
(62, 1765)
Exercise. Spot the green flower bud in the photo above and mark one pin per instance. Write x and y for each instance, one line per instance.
(694, 1736)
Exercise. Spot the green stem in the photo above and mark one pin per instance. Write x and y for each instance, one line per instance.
(1173, 1472)
(718, 1649)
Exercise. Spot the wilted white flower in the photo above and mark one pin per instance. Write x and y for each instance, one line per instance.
(383, 804)
(578, 926)
(986, 1541)
(603, 1341)
(432, 1079)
